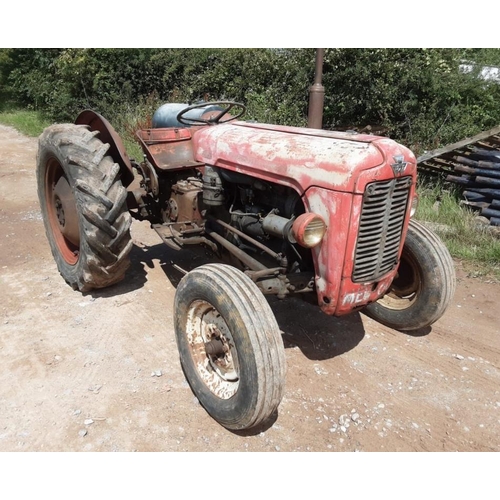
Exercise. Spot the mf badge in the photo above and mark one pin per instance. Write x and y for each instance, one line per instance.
(399, 167)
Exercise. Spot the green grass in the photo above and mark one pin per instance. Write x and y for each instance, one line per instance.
(473, 243)
(30, 123)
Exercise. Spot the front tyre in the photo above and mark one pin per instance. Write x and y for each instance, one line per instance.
(423, 287)
(230, 346)
(83, 204)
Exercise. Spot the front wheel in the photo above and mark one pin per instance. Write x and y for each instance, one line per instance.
(423, 287)
(230, 346)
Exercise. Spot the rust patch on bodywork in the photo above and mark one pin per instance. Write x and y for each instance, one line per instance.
(168, 148)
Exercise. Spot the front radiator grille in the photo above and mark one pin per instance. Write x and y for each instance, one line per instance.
(380, 228)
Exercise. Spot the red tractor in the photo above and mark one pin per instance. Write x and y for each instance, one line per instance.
(284, 211)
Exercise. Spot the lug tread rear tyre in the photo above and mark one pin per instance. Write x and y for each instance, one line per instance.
(256, 336)
(437, 283)
(104, 221)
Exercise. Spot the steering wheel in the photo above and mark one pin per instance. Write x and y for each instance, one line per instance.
(214, 120)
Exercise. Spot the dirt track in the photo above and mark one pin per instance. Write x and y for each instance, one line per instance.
(352, 384)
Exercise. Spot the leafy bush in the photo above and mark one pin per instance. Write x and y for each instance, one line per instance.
(418, 96)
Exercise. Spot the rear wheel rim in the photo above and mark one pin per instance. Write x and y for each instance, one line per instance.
(212, 349)
(62, 214)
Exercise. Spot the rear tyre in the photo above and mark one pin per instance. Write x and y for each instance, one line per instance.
(424, 286)
(83, 204)
(230, 346)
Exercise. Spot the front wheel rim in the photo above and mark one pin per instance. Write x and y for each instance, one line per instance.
(212, 349)
(406, 287)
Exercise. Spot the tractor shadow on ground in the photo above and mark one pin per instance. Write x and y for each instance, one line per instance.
(143, 258)
(317, 335)
(421, 332)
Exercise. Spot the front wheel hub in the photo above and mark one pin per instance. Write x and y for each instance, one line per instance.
(212, 349)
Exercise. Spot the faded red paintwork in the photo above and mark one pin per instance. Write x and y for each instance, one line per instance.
(330, 170)
(297, 157)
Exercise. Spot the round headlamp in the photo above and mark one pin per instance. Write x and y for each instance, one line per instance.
(308, 230)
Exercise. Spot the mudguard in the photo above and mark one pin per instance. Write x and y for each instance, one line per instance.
(108, 135)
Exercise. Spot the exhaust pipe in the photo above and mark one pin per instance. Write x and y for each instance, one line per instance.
(317, 94)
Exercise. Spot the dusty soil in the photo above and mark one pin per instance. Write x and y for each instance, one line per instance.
(69, 359)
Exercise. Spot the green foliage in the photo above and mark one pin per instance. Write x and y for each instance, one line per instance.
(418, 95)
(458, 227)
(30, 123)
(62, 82)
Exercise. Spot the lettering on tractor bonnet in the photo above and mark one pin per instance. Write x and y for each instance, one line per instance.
(363, 296)
(356, 297)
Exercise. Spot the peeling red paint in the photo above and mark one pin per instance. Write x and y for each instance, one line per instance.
(287, 155)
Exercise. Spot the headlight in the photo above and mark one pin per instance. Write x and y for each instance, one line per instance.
(308, 230)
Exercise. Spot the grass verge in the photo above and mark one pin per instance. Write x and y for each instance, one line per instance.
(475, 244)
(30, 123)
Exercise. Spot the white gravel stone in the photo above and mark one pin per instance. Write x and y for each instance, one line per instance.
(355, 417)
(88, 421)
(343, 419)
(83, 433)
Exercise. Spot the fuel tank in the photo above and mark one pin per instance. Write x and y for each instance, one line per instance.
(166, 116)
(302, 157)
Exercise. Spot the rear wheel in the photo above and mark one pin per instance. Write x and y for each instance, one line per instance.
(423, 287)
(83, 204)
(230, 346)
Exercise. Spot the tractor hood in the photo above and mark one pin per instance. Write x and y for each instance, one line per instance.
(302, 157)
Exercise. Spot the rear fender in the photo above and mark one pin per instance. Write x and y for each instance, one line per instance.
(108, 135)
